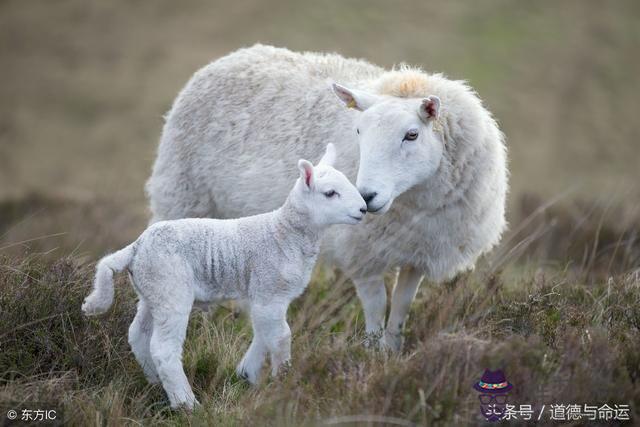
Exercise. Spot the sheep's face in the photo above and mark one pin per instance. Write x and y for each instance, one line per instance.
(328, 194)
(398, 146)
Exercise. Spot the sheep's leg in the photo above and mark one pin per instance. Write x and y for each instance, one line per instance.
(373, 296)
(404, 292)
(169, 331)
(251, 364)
(270, 325)
(139, 340)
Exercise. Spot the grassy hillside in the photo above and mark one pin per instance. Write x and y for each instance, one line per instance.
(558, 339)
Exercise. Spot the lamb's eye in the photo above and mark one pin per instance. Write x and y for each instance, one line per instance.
(329, 194)
(358, 131)
(411, 135)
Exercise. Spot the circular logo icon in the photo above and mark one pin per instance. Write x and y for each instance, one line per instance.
(11, 414)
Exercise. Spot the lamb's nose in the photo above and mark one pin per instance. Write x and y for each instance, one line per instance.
(363, 210)
(369, 196)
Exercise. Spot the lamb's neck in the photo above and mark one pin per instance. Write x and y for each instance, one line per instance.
(294, 226)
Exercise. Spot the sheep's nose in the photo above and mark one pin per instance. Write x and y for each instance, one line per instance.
(363, 210)
(369, 196)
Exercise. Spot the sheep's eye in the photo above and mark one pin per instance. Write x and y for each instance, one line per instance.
(329, 194)
(358, 131)
(411, 135)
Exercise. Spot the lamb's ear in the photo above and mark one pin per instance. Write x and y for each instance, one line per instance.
(430, 108)
(329, 157)
(355, 98)
(306, 173)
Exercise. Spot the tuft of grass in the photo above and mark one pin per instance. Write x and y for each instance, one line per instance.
(43, 332)
(595, 240)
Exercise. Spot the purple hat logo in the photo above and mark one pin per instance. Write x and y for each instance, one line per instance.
(493, 388)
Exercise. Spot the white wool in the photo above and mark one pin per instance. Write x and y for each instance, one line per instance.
(243, 118)
(263, 260)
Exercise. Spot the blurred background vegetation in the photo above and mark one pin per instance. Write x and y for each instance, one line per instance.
(85, 82)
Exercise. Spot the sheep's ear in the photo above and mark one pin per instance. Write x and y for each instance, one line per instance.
(306, 173)
(354, 98)
(329, 157)
(430, 108)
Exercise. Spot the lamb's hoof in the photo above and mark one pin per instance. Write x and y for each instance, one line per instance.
(150, 374)
(91, 308)
(152, 379)
(393, 341)
(187, 407)
(284, 370)
(245, 375)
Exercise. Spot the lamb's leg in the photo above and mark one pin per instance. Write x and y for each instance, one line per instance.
(139, 340)
(251, 364)
(270, 325)
(373, 296)
(169, 331)
(403, 294)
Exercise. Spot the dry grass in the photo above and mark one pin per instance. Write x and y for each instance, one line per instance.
(560, 332)
(558, 342)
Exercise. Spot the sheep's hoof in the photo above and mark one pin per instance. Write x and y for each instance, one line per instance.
(373, 340)
(393, 341)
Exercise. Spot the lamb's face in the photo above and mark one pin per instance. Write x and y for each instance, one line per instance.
(398, 147)
(328, 194)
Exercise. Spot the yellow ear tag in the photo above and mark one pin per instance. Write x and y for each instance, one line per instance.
(352, 104)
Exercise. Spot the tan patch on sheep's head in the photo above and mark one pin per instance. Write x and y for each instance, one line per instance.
(409, 83)
(405, 84)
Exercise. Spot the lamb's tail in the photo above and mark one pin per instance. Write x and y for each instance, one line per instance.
(101, 297)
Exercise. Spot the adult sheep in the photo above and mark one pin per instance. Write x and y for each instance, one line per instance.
(431, 162)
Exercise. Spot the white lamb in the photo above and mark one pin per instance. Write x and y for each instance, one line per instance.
(263, 260)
